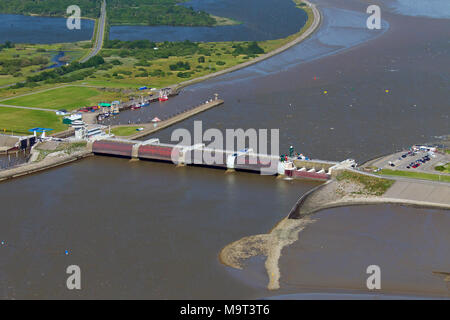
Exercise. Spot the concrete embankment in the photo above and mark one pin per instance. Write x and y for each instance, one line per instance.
(344, 193)
(47, 163)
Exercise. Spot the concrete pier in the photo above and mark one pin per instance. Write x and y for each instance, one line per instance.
(153, 127)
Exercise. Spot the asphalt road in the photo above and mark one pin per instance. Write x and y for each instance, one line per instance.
(99, 36)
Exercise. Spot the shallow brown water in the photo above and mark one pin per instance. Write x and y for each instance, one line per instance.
(407, 244)
(137, 230)
(150, 230)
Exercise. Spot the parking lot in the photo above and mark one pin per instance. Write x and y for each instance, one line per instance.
(419, 161)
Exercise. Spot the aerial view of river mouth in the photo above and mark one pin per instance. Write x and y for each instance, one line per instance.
(150, 230)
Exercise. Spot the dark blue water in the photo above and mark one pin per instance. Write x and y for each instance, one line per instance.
(261, 20)
(47, 30)
(57, 62)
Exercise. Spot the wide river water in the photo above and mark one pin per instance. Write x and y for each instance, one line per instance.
(151, 230)
(45, 30)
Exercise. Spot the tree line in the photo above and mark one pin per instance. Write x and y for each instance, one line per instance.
(89, 8)
(154, 12)
(73, 72)
(144, 50)
(149, 12)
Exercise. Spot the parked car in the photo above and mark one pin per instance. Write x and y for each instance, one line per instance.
(62, 112)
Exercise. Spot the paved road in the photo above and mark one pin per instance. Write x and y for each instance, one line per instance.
(99, 36)
(420, 191)
(28, 108)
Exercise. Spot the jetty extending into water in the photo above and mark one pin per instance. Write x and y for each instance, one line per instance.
(152, 127)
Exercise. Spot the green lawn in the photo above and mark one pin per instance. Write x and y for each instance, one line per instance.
(18, 121)
(124, 131)
(69, 98)
(415, 175)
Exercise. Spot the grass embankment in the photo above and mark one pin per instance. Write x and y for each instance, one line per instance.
(270, 45)
(18, 121)
(445, 168)
(124, 131)
(67, 148)
(415, 175)
(372, 185)
(69, 98)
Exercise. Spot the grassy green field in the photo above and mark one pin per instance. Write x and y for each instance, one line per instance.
(128, 74)
(18, 121)
(124, 131)
(415, 175)
(28, 51)
(372, 185)
(131, 74)
(70, 98)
